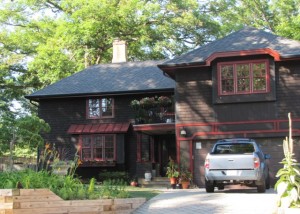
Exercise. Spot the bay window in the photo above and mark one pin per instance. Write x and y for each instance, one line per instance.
(98, 147)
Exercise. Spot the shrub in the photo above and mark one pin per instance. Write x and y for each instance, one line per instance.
(115, 188)
(114, 175)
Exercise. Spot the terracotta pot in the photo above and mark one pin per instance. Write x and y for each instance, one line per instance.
(133, 183)
(185, 184)
(173, 180)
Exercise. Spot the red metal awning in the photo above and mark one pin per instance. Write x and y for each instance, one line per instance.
(98, 128)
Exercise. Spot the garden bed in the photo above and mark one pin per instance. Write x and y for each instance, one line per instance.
(40, 201)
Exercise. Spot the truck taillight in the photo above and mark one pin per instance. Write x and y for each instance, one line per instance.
(206, 164)
(256, 163)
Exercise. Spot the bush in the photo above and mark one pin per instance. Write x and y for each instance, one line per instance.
(66, 187)
(114, 175)
(114, 189)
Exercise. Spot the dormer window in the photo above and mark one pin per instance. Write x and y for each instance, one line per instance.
(247, 77)
(99, 107)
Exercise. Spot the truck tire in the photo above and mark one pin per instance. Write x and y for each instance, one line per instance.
(262, 187)
(209, 186)
(268, 181)
(221, 186)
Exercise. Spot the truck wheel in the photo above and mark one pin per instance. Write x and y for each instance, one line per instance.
(209, 186)
(268, 182)
(221, 186)
(262, 188)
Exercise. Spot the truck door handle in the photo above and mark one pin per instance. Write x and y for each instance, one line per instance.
(230, 160)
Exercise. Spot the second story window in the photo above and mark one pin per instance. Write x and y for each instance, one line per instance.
(243, 77)
(100, 107)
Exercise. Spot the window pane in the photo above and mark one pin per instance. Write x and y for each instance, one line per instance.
(109, 147)
(94, 108)
(98, 147)
(106, 106)
(86, 154)
(259, 77)
(86, 147)
(227, 79)
(86, 142)
(145, 148)
(243, 77)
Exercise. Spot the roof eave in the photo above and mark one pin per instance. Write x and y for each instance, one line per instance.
(59, 96)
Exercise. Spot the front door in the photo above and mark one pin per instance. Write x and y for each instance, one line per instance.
(164, 148)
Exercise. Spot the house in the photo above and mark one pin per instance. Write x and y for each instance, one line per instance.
(92, 108)
(242, 85)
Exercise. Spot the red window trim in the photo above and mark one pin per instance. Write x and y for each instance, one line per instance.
(235, 63)
(100, 98)
(93, 136)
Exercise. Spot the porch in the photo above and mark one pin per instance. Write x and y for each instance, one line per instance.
(156, 143)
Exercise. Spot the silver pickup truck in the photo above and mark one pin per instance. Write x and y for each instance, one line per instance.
(236, 161)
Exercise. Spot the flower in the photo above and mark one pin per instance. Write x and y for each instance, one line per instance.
(147, 102)
(164, 101)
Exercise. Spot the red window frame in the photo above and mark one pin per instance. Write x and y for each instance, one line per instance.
(93, 145)
(100, 107)
(243, 79)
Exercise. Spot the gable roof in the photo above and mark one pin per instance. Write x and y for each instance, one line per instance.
(115, 78)
(244, 40)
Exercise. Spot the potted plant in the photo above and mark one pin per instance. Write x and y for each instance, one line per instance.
(172, 171)
(288, 185)
(185, 178)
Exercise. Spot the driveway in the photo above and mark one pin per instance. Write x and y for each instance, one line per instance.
(231, 201)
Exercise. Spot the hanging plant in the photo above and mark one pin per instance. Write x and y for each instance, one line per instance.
(164, 101)
(135, 104)
(147, 102)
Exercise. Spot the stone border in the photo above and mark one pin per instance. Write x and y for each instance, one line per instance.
(40, 201)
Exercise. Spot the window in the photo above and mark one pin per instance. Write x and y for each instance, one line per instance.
(98, 147)
(243, 77)
(100, 107)
(145, 148)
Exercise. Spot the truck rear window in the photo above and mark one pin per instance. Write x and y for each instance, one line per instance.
(236, 148)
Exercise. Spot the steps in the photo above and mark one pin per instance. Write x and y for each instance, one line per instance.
(155, 183)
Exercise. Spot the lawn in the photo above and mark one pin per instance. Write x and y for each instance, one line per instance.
(137, 192)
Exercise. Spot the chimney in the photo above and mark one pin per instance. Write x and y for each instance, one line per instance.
(119, 51)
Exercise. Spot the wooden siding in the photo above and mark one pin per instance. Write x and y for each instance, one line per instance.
(194, 94)
(61, 113)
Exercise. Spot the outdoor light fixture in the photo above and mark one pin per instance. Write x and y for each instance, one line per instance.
(182, 132)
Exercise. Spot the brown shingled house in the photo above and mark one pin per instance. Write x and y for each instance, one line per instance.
(242, 85)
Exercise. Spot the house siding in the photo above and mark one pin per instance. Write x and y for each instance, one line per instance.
(196, 111)
(60, 114)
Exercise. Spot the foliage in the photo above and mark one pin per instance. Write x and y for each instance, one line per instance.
(281, 17)
(114, 188)
(67, 187)
(288, 185)
(172, 169)
(147, 102)
(114, 175)
(185, 174)
(164, 101)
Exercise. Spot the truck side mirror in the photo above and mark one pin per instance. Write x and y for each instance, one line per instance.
(267, 156)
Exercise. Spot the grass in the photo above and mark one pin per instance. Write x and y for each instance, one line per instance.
(137, 192)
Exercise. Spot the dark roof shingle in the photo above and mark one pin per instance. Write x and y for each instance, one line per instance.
(115, 78)
(248, 38)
